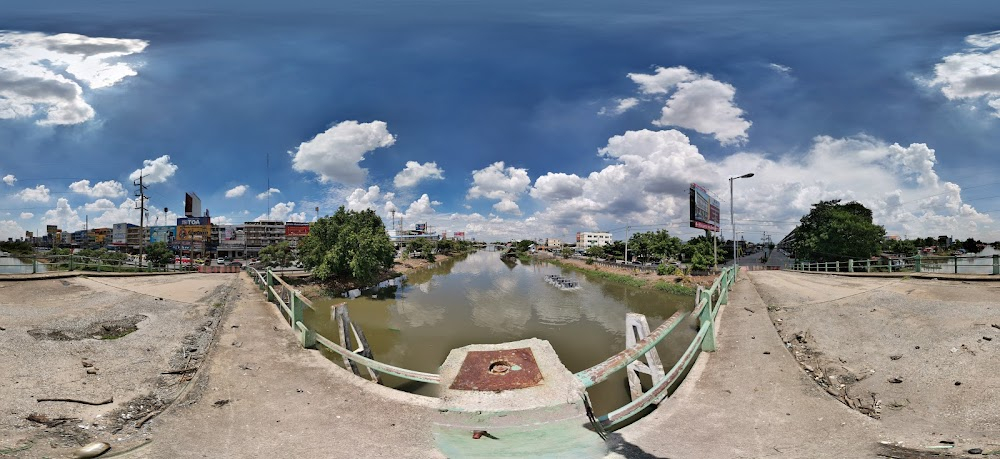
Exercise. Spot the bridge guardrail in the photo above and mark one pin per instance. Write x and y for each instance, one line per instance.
(917, 264)
(54, 263)
(707, 304)
(291, 303)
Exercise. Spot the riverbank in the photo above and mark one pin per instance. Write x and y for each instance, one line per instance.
(683, 285)
(315, 289)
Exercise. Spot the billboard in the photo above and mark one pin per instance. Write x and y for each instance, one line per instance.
(459, 234)
(194, 221)
(192, 205)
(296, 229)
(421, 227)
(704, 209)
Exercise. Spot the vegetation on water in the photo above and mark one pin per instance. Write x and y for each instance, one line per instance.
(347, 244)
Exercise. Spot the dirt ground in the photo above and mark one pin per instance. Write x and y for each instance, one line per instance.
(238, 383)
(919, 355)
(104, 341)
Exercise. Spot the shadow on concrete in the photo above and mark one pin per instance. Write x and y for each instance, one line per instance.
(618, 445)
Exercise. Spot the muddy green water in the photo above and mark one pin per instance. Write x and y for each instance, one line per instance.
(481, 299)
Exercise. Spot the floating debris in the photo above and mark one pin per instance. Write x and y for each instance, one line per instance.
(562, 282)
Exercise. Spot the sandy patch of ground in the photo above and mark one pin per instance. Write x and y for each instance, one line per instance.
(919, 355)
(99, 340)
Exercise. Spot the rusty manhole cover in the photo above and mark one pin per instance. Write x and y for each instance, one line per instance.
(498, 370)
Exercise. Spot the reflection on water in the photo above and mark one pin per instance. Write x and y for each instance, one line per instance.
(978, 263)
(478, 299)
(11, 265)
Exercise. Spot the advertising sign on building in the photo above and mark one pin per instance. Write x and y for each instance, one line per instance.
(704, 209)
(192, 205)
(459, 234)
(194, 221)
(421, 227)
(296, 229)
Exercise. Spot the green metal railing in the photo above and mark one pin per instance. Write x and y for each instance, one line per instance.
(707, 304)
(955, 264)
(39, 263)
(291, 303)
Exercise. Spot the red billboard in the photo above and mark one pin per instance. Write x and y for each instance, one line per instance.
(298, 230)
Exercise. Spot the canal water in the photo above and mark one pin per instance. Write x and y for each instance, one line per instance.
(11, 265)
(479, 299)
(973, 263)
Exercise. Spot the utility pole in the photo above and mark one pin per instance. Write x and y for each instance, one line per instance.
(141, 206)
(626, 243)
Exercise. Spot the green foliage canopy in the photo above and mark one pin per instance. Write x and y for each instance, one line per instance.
(347, 243)
(279, 254)
(837, 232)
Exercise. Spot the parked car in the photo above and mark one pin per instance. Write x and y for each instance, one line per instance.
(235, 263)
(220, 261)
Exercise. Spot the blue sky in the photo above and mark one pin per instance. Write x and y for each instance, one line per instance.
(600, 113)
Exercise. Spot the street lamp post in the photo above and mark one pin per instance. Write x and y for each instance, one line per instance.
(732, 219)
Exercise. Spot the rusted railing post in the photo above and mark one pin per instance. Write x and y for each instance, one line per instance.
(956, 264)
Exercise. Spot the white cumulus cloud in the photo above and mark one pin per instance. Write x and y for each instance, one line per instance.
(27, 215)
(974, 73)
(283, 211)
(99, 205)
(334, 155)
(106, 189)
(237, 191)
(269, 192)
(622, 106)
(557, 186)
(696, 101)
(10, 229)
(63, 216)
(507, 206)
(423, 206)
(9, 179)
(416, 172)
(46, 74)
(361, 199)
(39, 193)
(498, 182)
(155, 170)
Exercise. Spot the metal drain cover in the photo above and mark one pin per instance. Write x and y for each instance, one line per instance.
(498, 370)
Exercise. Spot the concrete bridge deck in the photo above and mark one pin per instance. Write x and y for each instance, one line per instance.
(259, 394)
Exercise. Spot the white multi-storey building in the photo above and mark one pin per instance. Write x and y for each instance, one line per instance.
(586, 240)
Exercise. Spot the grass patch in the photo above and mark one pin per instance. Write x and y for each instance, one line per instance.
(676, 289)
(524, 257)
(618, 278)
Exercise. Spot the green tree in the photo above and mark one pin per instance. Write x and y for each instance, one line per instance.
(524, 244)
(595, 252)
(279, 254)
(566, 252)
(349, 244)
(971, 245)
(837, 232)
(157, 253)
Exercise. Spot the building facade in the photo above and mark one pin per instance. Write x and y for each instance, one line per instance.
(262, 234)
(586, 240)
